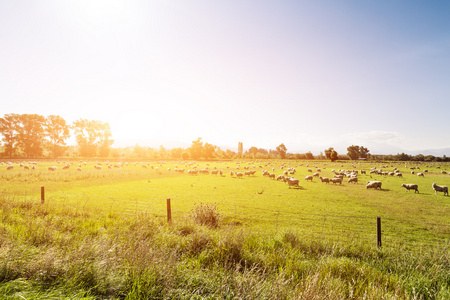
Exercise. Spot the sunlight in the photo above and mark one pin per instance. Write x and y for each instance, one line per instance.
(138, 124)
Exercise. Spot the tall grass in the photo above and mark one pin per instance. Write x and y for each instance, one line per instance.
(57, 251)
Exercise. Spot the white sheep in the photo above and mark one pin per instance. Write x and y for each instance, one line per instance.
(373, 185)
(324, 179)
(420, 174)
(353, 179)
(291, 181)
(9, 167)
(440, 188)
(409, 186)
(52, 168)
(336, 180)
(309, 178)
(239, 174)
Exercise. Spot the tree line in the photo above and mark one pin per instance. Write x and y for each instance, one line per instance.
(35, 136)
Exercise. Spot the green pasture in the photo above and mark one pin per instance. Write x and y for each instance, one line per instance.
(103, 233)
(342, 212)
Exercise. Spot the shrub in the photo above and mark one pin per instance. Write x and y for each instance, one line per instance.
(206, 214)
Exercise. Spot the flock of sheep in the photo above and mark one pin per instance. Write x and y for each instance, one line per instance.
(286, 176)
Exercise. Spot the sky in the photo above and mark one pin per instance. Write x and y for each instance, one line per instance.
(309, 74)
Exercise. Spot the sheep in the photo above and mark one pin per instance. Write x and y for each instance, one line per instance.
(316, 175)
(309, 178)
(281, 177)
(373, 184)
(239, 174)
(440, 188)
(291, 181)
(324, 179)
(9, 167)
(231, 173)
(420, 174)
(336, 180)
(353, 179)
(52, 168)
(79, 169)
(408, 187)
(399, 175)
(272, 175)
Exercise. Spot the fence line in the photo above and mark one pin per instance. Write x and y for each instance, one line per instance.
(394, 231)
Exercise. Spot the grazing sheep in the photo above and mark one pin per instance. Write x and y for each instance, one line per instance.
(420, 174)
(52, 168)
(309, 178)
(316, 175)
(373, 185)
(9, 167)
(363, 172)
(408, 187)
(79, 169)
(336, 180)
(399, 175)
(239, 174)
(231, 173)
(291, 181)
(281, 177)
(272, 175)
(353, 179)
(440, 188)
(324, 179)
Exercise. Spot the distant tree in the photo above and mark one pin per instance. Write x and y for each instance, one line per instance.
(176, 153)
(331, 154)
(58, 132)
(282, 151)
(363, 152)
(240, 150)
(196, 149)
(253, 150)
(209, 151)
(8, 129)
(353, 152)
(231, 154)
(162, 152)
(93, 137)
(309, 155)
(31, 134)
(185, 156)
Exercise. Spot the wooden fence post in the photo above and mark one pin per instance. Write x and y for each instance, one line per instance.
(42, 194)
(379, 232)
(169, 211)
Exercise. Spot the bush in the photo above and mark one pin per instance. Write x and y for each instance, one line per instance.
(206, 214)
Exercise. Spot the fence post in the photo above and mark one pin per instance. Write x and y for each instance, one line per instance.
(379, 232)
(42, 194)
(169, 211)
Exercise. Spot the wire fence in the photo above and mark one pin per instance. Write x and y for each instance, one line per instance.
(401, 234)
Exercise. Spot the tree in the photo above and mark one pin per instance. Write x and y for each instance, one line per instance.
(196, 149)
(209, 151)
(240, 150)
(176, 153)
(8, 128)
(31, 134)
(282, 151)
(331, 154)
(58, 132)
(93, 137)
(363, 152)
(309, 155)
(353, 152)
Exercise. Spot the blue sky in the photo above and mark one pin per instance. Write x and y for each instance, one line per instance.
(309, 74)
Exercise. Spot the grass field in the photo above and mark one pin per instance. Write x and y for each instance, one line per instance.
(103, 233)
